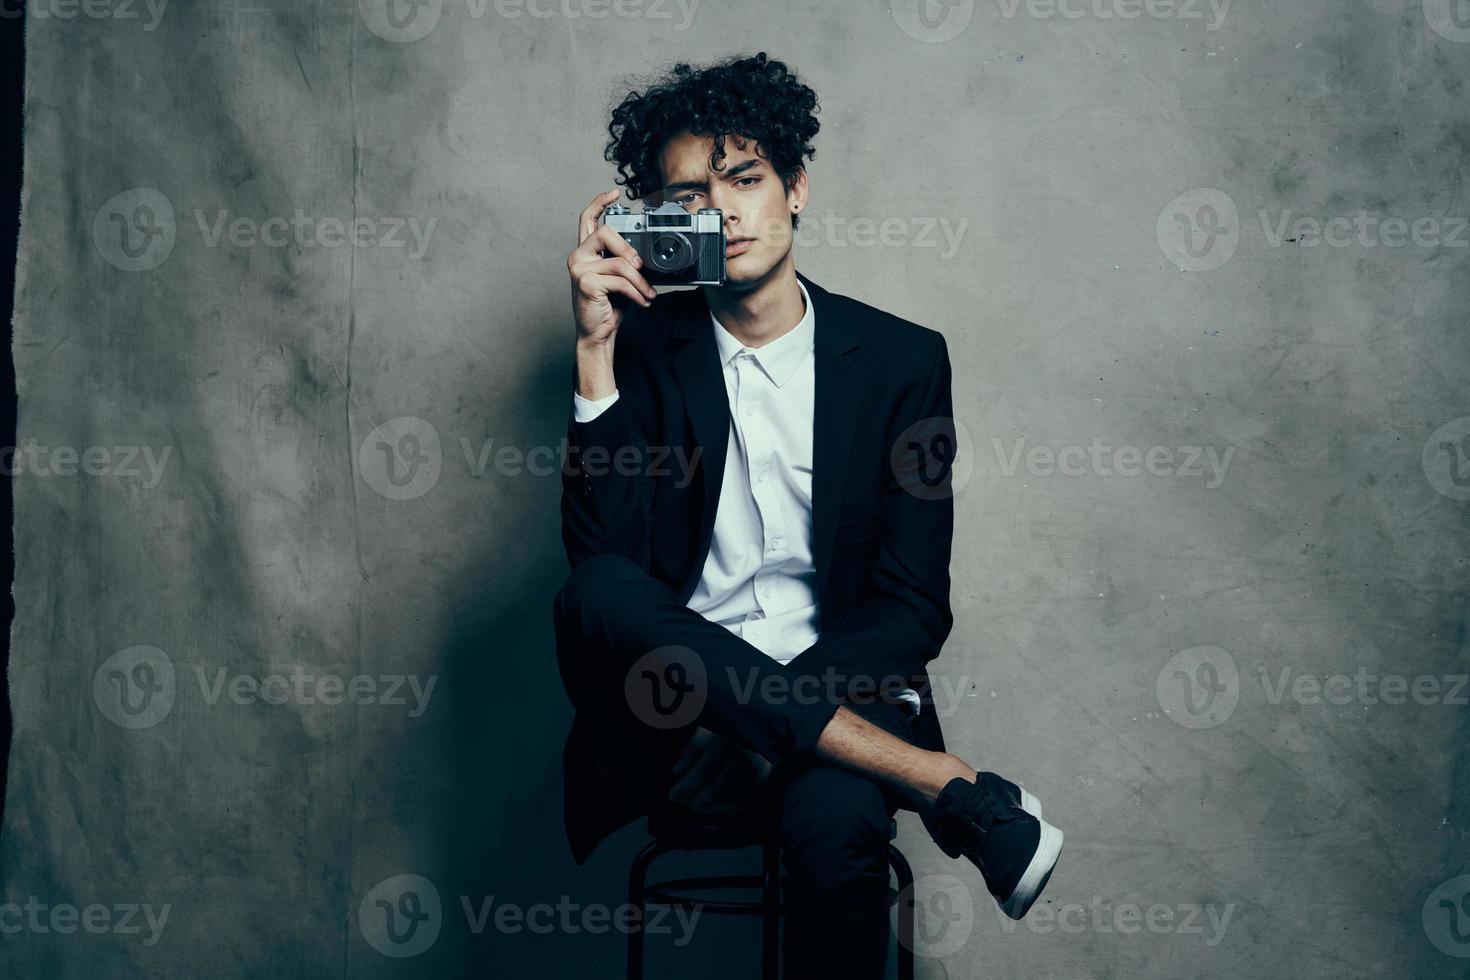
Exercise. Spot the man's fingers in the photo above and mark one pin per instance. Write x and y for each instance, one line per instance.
(587, 223)
(693, 749)
(614, 284)
(705, 796)
(681, 791)
(687, 758)
(618, 266)
(713, 771)
(706, 768)
(691, 786)
(603, 240)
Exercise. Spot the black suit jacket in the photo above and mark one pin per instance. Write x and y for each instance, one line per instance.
(882, 515)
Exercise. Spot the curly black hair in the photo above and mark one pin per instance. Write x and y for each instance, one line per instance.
(755, 98)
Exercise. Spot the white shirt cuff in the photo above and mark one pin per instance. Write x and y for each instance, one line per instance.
(909, 698)
(587, 409)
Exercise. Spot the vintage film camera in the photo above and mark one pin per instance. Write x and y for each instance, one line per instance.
(677, 248)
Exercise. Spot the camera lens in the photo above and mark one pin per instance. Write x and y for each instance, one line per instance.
(671, 252)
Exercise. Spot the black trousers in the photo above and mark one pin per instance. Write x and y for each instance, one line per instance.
(648, 670)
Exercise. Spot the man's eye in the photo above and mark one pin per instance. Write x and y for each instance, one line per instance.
(753, 180)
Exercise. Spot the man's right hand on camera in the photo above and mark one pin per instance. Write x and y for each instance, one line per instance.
(601, 266)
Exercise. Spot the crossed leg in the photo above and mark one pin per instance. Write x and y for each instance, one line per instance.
(834, 831)
(839, 773)
(611, 615)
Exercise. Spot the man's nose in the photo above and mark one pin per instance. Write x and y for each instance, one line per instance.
(717, 200)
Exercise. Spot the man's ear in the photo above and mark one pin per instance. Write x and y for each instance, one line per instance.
(796, 191)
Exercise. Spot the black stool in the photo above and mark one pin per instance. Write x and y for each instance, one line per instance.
(679, 829)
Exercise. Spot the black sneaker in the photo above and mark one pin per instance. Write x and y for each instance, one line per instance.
(998, 826)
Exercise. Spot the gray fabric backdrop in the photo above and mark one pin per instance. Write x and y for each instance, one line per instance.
(1210, 570)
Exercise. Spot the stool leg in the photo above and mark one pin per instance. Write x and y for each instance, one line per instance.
(905, 876)
(637, 879)
(771, 911)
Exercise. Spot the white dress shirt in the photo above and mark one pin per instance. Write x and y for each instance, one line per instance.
(759, 579)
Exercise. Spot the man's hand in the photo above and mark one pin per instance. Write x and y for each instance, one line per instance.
(603, 264)
(718, 777)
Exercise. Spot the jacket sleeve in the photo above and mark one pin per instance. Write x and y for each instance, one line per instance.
(906, 618)
(607, 485)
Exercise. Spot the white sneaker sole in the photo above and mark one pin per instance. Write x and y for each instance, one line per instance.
(1030, 803)
(1048, 848)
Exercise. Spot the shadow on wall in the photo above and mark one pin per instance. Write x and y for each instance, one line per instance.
(501, 833)
(501, 840)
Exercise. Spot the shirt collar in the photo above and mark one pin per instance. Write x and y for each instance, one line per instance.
(781, 357)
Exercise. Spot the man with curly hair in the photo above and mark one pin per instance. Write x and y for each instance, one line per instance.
(748, 633)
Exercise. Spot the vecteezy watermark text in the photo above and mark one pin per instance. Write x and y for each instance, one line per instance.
(1363, 688)
(1097, 459)
(835, 687)
(1201, 229)
(122, 10)
(511, 460)
(1366, 229)
(937, 21)
(403, 458)
(64, 918)
(1099, 915)
(1200, 687)
(37, 459)
(306, 687)
(136, 688)
(569, 917)
(945, 912)
(405, 21)
(1212, 12)
(838, 231)
(302, 231)
(402, 916)
(136, 230)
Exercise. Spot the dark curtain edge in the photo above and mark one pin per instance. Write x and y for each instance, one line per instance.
(12, 106)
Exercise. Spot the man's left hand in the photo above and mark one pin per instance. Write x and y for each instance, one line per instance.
(717, 777)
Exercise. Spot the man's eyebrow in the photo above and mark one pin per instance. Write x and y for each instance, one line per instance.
(684, 185)
(740, 168)
(698, 185)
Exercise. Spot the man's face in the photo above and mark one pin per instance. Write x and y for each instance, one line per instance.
(757, 206)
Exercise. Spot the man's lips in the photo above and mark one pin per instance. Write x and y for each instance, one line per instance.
(735, 246)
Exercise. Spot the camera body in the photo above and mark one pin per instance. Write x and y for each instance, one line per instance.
(677, 248)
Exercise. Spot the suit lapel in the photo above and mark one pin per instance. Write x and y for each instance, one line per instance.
(696, 365)
(697, 370)
(834, 418)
